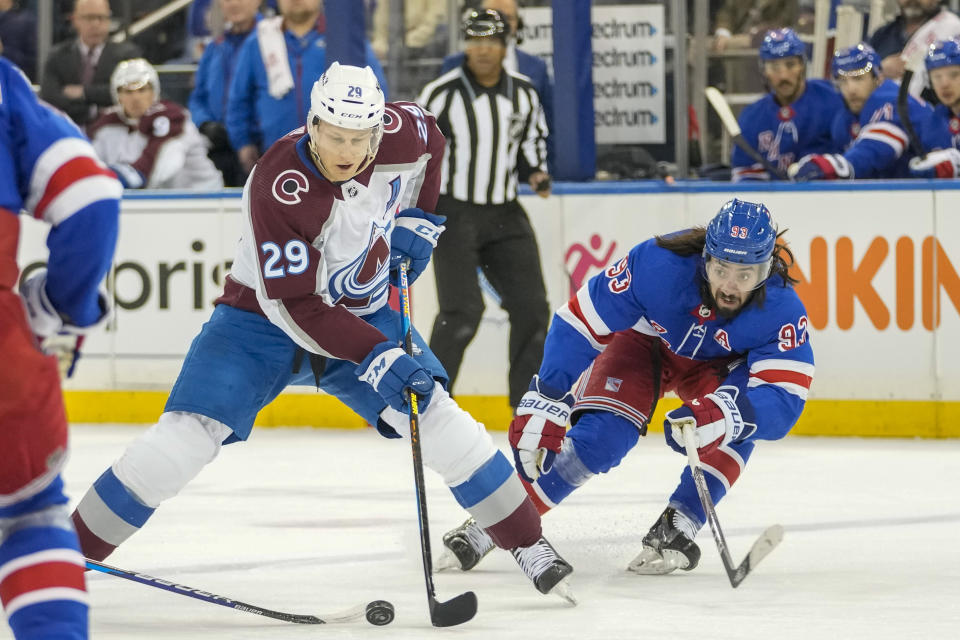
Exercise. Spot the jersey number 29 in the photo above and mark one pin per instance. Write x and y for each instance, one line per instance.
(296, 254)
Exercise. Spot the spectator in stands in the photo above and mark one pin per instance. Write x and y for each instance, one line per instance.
(794, 119)
(208, 101)
(76, 75)
(518, 61)
(148, 142)
(890, 39)
(742, 24)
(276, 68)
(877, 145)
(423, 35)
(18, 37)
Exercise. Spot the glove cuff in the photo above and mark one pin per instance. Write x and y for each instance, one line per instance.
(42, 316)
(378, 362)
(731, 414)
(551, 393)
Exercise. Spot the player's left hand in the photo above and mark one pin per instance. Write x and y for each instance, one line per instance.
(414, 238)
(815, 166)
(716, 420)
(943, 163)
(538, 430)
(57, 337)
(541, 183)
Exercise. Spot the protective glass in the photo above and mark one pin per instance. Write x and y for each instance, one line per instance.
(732, 275)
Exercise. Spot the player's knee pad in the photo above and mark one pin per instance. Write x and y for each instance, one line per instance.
(158, 464)
(602, 439)
(452, 442)
(41, 575)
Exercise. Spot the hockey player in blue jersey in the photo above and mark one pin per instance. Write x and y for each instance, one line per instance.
(875, 145)
(791, 121)
(709, 313)
(49, 171)
(940, 135)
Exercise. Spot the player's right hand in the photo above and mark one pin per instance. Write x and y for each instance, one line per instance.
(943, 163)
(538, 430)
(390, 371)
(815, 166)
(56, 337)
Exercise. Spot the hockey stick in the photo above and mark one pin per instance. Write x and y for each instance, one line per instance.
(463, 607)
(719, 104)
(767, 541)
(378, 612)
(903, 112)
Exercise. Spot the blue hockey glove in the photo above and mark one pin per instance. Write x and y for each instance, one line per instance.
(57, 337)
(390, 371)
(828, 166)
(414, 238)
(943, 163)
(539, 428)
(716, 420)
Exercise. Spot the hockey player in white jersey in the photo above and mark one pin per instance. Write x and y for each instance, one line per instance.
(50, 172)
(329, 212)
(709, 313)
(151, 143)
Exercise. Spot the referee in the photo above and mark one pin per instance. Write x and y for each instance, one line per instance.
(496, 136)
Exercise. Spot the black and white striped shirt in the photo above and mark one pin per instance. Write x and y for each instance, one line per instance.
(494, 135)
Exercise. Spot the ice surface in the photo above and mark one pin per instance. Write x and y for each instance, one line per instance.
(314, 521)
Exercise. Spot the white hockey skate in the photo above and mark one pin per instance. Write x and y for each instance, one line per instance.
(464, 547)
(665, 548)
(544, 566)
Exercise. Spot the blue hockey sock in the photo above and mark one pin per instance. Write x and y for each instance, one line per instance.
(107, 515)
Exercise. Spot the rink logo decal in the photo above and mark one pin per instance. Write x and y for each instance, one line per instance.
(288, 185)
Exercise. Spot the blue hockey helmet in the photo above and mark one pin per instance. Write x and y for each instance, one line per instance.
(782, 43)
(742, 233)
(855, 61)
(943, 53)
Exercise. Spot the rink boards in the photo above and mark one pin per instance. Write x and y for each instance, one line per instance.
(879, 265)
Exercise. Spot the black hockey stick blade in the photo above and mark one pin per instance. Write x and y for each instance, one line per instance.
(903, 112)
(761, 548)
(183, 590)
(454, 611)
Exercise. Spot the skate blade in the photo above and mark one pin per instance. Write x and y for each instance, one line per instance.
(446, 561)
(654, 564)
(563, 591)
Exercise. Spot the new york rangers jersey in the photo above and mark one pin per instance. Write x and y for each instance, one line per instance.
(656, 292)
(314, 255)
(50, 171)
(784, 134)
(161, 150)
(880, 148)
(941, 129)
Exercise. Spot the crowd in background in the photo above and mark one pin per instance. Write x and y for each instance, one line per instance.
(239, 106)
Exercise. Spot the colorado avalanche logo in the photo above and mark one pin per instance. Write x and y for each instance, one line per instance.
(364, 280)
(288, 185)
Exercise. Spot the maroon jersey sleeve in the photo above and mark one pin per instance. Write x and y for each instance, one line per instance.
(419, 134)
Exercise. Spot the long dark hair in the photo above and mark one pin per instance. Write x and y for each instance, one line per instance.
(691, 243)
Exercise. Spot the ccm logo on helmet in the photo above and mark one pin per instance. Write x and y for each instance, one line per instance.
(288, 185)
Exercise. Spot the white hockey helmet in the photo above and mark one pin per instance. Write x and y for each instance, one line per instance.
(133, 74)
(348, 97)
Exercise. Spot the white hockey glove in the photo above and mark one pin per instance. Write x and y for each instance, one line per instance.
(57, 338)
(716, 420)
(943, 163)
(539, 428)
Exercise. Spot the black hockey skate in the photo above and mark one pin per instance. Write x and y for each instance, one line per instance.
(544, 566)
(465, 547)
(666, 548)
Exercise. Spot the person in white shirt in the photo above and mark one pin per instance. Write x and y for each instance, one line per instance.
(150, 143)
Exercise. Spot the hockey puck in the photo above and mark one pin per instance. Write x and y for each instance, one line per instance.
(380, 612)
